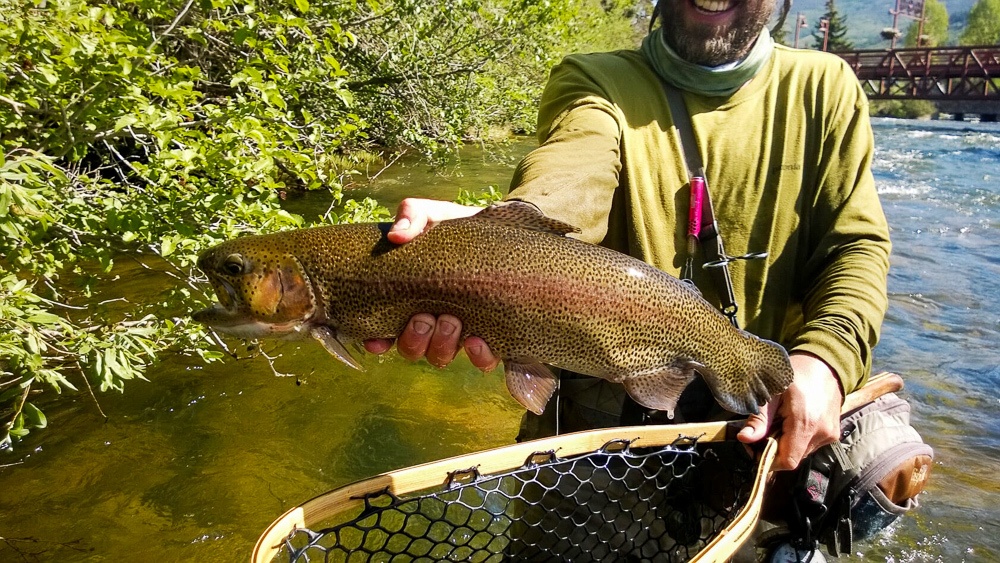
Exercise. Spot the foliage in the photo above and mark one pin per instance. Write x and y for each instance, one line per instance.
(935, 29)
(903, 109)
(141, 131)
(983, 24)
(780, 34)
(836, 32)
(489, 196)
(431, 74)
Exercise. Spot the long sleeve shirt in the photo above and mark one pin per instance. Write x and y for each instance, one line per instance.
(787, 159)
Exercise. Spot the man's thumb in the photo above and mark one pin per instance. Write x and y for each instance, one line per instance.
(410, 222)
(755, 429)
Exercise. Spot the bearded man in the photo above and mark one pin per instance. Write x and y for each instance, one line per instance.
(786, 145)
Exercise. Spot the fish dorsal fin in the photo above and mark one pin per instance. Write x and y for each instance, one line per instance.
(526, 216)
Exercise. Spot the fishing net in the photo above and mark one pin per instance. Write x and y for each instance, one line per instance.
(618, 502)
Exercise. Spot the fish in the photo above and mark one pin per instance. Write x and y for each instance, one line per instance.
(538, 297)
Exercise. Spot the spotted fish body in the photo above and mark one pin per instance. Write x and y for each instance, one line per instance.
(536, 296)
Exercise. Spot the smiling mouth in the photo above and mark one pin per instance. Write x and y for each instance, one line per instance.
(713, 6)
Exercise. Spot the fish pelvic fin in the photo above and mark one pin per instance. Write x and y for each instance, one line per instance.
(525, 216)
(329, 339)
(530, 382)
(770, 373)
(660, 389)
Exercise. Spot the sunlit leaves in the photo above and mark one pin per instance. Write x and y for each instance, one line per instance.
(489, 196)
(934, 27)
(142, 131)
(983, 25)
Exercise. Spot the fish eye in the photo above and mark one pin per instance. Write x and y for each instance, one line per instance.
(233, 264)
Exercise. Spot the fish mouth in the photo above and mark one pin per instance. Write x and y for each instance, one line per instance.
(234, 323)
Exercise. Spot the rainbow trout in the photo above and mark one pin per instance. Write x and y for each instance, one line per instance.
(536, 296)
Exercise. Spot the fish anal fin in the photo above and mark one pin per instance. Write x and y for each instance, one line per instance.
(328, 338)
(661, 388)
(526, 216)
(531, 383)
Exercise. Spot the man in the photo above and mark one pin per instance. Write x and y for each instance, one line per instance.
(787, 147)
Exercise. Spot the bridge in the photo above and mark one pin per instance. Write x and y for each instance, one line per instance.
(959, 80)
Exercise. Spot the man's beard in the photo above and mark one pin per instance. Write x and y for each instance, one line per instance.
(694, 45)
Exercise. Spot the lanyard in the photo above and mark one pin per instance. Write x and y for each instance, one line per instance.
(703, 230)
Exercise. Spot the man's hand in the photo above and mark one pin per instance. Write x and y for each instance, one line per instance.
(415, 216)
(436, 338)
(809, 413)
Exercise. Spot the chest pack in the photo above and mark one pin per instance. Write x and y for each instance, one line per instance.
(850, 490)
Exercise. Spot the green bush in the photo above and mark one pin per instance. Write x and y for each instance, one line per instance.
(903, 109)
(150, 129)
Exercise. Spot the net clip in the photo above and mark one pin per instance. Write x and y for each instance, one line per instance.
(460, 477)
(616, 446)
(371, 507)
(683, 441)
(537, 458)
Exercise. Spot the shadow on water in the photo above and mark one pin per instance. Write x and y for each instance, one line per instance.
(194, 464)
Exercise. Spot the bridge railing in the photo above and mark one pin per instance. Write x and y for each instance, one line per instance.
(971, 73)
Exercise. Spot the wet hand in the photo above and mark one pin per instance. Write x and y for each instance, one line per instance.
(808, 411)
(439, 340)
(414, 216)
(436, 338)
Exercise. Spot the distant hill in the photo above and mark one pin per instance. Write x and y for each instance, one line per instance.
(867, 18)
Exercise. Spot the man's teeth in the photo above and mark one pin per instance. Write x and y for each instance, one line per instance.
(713, 5)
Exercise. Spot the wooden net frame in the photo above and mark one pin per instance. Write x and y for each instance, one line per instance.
(448, 509)
(671, 492)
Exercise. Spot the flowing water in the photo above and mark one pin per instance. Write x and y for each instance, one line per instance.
(194, 464)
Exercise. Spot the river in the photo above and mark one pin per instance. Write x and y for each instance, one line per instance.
(195, 463)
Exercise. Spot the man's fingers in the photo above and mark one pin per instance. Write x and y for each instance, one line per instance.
(416, 337)
(480, 354)
(438, 339)
(793, 447)
(444, 343)
(378, 345)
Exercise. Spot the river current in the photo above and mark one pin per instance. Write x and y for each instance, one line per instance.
(195, 463)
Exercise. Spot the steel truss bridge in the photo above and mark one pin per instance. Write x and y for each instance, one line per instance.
(958, 79)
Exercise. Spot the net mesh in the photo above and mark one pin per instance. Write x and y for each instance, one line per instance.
(614, 504)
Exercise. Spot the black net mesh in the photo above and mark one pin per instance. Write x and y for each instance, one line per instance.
(615, 504)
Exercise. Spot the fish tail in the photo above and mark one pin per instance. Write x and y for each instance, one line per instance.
(768, 373)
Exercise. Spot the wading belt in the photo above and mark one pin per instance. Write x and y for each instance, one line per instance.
(702, 227)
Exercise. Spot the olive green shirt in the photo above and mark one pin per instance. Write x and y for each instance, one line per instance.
(787, 159)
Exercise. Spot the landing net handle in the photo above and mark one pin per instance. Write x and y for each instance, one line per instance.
(439, 473)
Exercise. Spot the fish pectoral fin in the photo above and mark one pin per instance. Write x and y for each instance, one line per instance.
(530, 382)
(328, 338)
(660, 389)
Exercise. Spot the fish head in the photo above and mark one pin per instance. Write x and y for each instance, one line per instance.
(262, 290)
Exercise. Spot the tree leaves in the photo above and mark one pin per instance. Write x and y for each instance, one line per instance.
(142, 131)
(983, 25)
